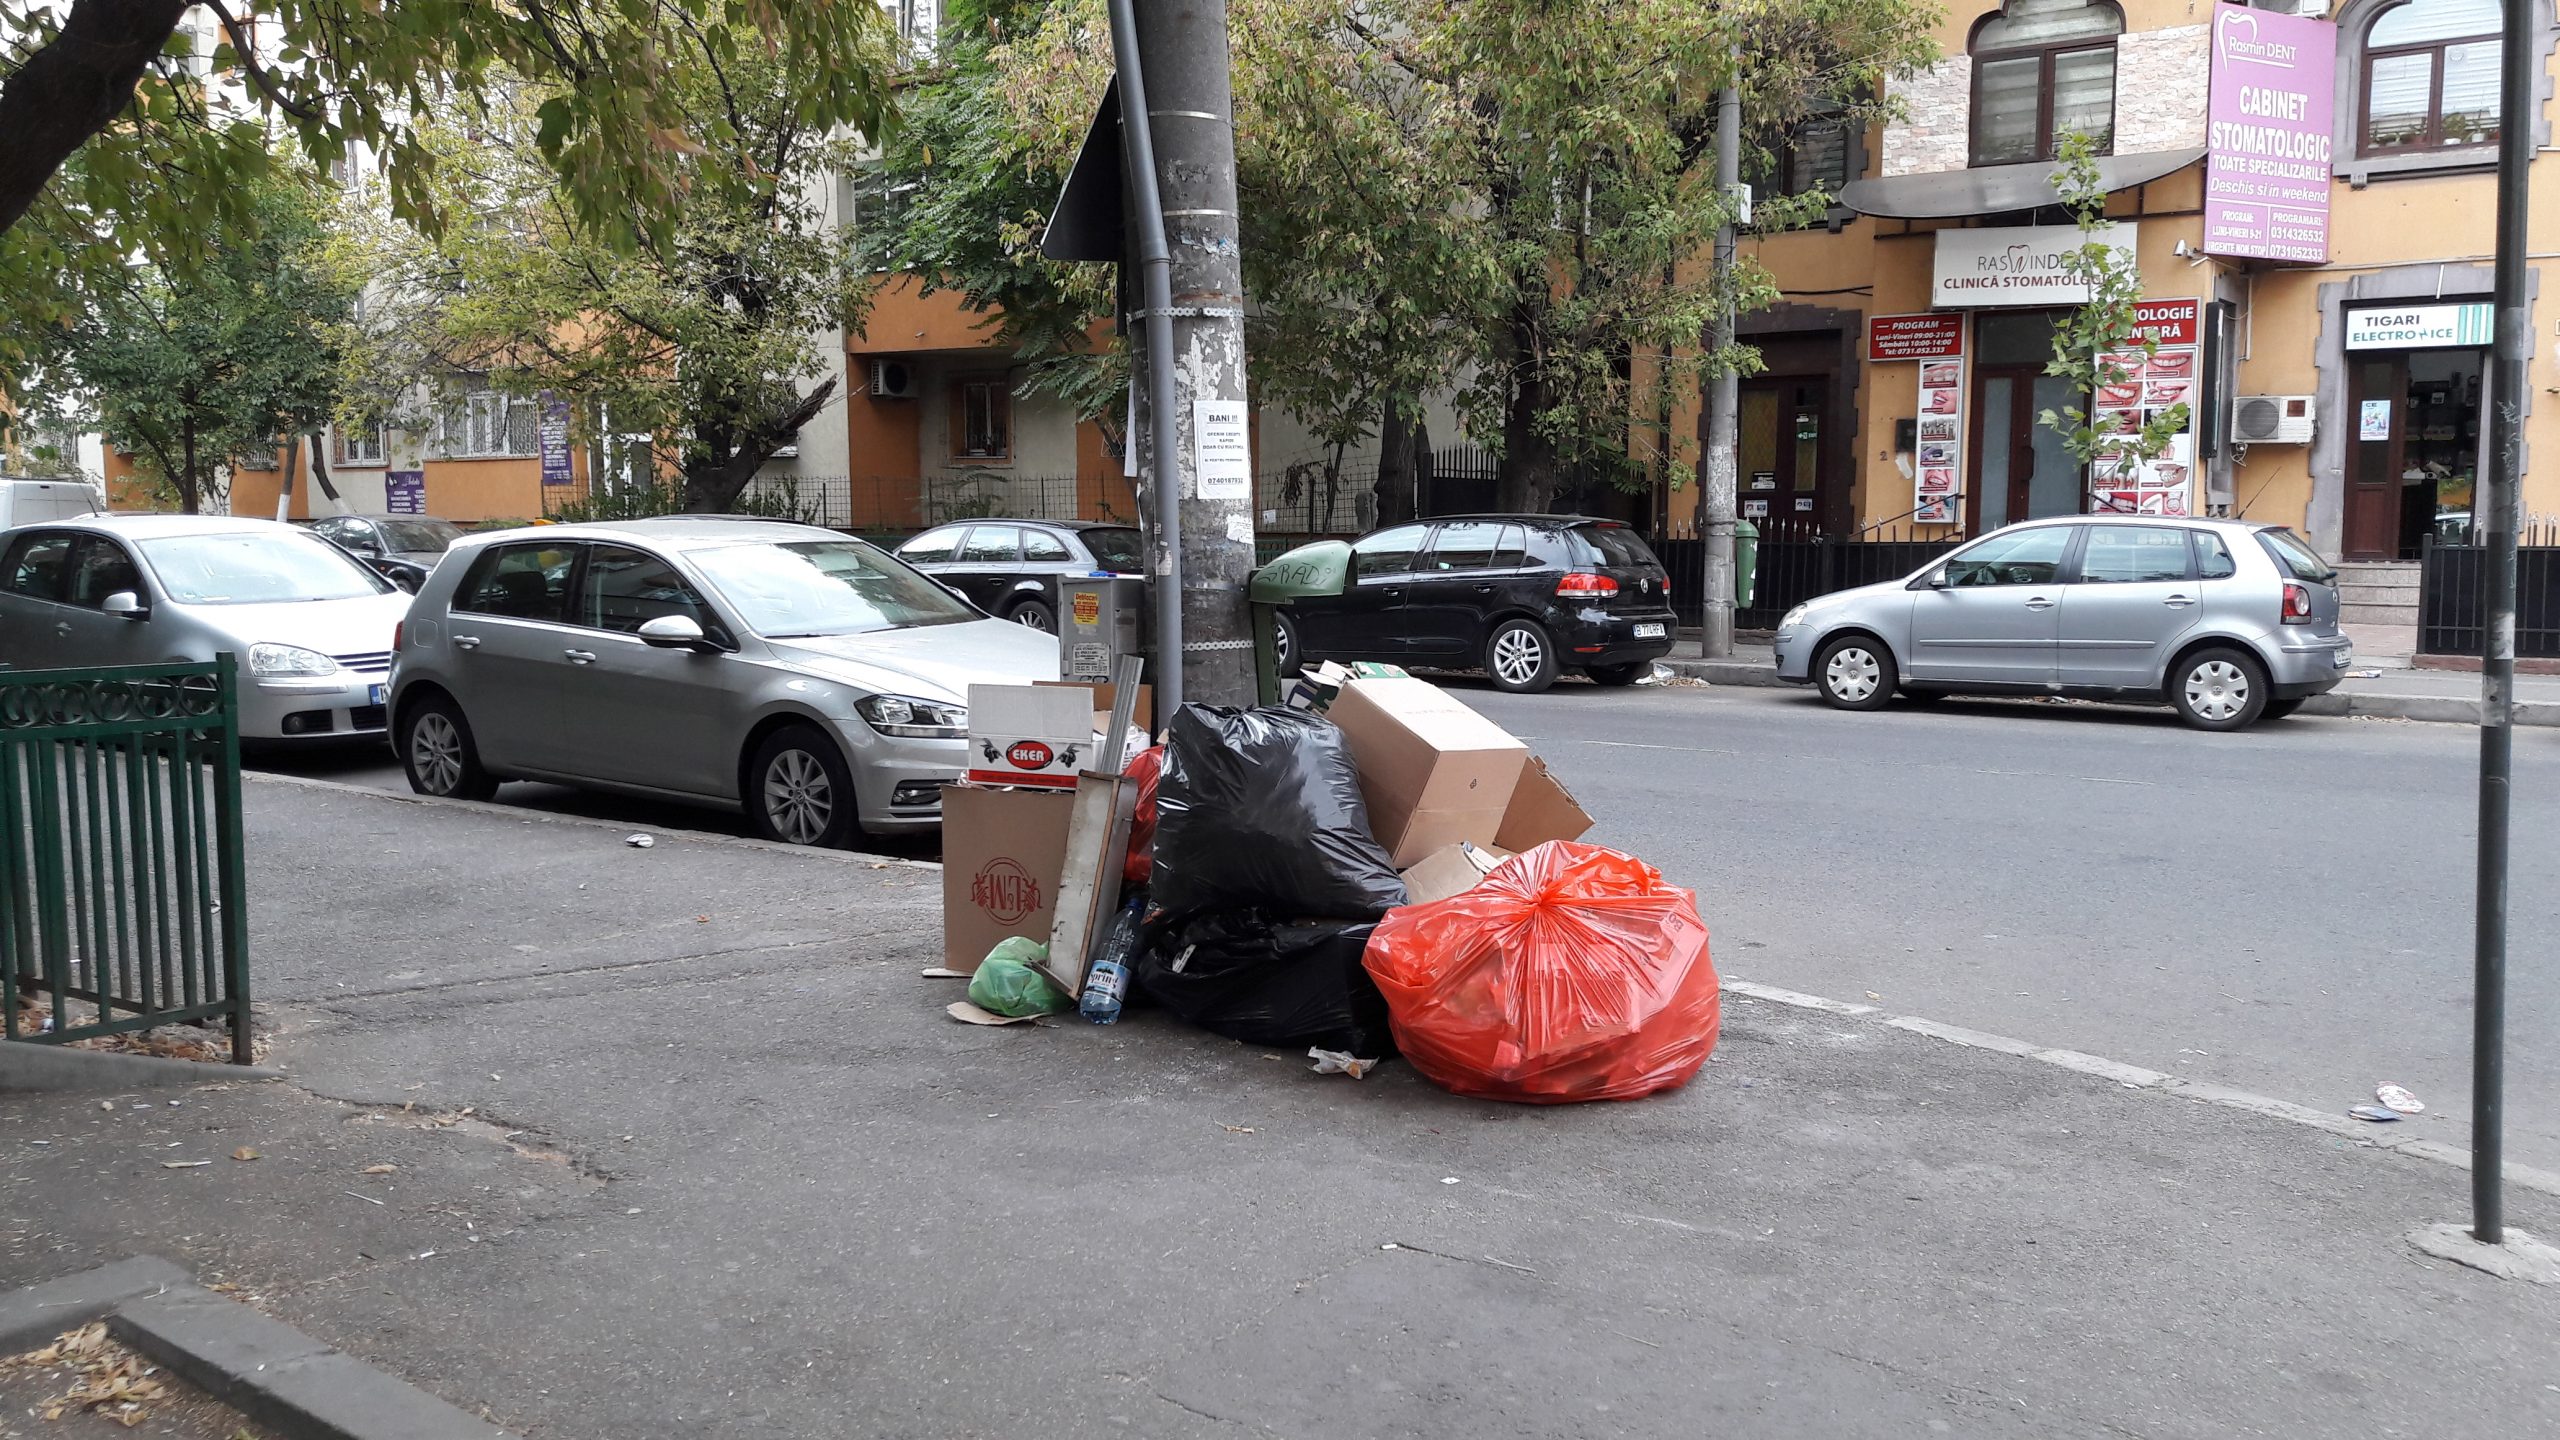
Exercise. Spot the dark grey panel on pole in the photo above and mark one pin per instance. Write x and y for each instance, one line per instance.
(1719, 476)
(1182, 49)
(2503, 516)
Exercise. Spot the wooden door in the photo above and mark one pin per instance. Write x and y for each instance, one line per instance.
(2000, 458)
(2377, 387)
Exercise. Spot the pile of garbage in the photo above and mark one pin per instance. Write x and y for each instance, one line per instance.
(1369, 869)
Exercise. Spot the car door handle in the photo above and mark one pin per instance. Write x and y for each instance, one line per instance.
(2038, 602)
(1484, 589)
(61, 627)
(580, 657)
(2179, 600)
(466, 642)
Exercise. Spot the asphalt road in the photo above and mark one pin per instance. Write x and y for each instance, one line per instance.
(2286, 910)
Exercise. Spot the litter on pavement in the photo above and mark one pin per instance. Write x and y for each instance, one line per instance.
(2376, 1113)
(2398, 1099)
(639, 842)
(1369, 868)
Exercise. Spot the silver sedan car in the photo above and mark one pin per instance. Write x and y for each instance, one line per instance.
(2228, 621)
(311, 627)
(810, 679)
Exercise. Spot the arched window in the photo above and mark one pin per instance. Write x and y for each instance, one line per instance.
(2041, 69)
(2430, 77)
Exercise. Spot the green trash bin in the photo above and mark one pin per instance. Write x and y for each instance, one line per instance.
(1322, 568)
(1746, 563)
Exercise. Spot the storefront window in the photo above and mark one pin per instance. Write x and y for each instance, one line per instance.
(2431, 77)
(2043, 69)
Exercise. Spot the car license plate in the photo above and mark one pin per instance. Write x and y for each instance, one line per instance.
(2344, 658)
(373, 696)
(1649, 631)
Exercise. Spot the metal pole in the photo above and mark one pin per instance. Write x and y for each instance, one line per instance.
(2505, 516)
(1155, 262)
(1190, 113)
(1721, 479)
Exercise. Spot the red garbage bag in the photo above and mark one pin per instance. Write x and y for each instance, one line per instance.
(1145, 769)
(1573, 972)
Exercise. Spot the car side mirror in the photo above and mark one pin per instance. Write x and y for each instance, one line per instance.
(1935, 578)
(128, 605)
(676, 632)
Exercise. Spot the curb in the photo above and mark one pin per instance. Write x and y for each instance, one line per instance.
(2134, 1077)
(1745, 674)
(268, 1370)
(30, 1067)
(2361, 704)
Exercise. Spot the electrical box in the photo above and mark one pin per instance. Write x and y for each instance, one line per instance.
(1098, 622)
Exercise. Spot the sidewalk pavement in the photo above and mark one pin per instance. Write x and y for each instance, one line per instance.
(2397, 692)
(683, 1146)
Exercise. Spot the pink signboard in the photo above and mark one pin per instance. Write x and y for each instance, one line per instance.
(2266, 187)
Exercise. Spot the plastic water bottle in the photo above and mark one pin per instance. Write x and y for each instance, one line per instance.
(1108, 983)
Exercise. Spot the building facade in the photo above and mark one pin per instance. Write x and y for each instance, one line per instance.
(2309, 198)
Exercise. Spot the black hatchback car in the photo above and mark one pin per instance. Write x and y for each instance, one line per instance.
(1526, 597)
(1009, 568)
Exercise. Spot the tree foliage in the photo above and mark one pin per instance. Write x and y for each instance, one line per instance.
(192, 369)
(702, 332)
(2089, 341)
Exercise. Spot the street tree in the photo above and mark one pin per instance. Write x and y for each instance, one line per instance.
(193, 369)
(2091, 342)
(701, 333)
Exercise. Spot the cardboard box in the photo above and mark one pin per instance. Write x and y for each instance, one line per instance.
(1451, 870)
(1432, 771)
(1030, 734)
(1144, 716)
(1541, 810)
(1002, 852)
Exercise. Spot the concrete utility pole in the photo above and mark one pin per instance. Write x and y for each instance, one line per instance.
(1182, 50)
(1719, 478)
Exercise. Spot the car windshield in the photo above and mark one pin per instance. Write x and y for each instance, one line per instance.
(790, 589)
(2294, 557)
(418, 536)
(257, 568)
(1617, 545)
(1117, 550)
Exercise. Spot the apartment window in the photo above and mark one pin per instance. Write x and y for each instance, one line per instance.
(1809, 157)
(2043, 69)
(982, 419)
(2431, 77)
(360, 447)
(488, 423)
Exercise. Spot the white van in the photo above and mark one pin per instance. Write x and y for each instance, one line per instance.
(33, 502)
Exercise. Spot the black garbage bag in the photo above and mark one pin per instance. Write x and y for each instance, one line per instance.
(1244, 975)
(1262, 808)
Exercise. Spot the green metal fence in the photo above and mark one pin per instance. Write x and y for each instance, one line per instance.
(121, 889)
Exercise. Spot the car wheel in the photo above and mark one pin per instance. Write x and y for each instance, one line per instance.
(1618, 674)
(436, 750)
(2219, 689)
(1854, 672)
(2278, 709)
(1285, 659)
(1035, 615)
(799, 790)
(1520, 657)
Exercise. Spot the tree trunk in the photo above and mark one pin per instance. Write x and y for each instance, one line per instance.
(1527, 484)
(1399, 474)
(190, 486)
(74, 88)
(712, 484)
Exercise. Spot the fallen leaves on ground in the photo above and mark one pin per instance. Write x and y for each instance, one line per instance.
(112, 1381)
(244, 1153)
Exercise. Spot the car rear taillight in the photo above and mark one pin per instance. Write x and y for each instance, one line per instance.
(399, 633)
(1583, 582)
(2297, 604)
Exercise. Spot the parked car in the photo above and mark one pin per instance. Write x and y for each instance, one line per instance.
(1526, 597)
(807, 678)
(28, 502)
(1010, 568)
(403, 548)
(312, 628)
(2228, 621)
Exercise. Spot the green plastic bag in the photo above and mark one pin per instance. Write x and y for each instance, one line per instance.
(1006, 983)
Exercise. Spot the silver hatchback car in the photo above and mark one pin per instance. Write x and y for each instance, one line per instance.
(810, 679)
(2228, 621)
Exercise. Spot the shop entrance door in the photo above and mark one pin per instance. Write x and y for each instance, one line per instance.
(2416, 450)
(2017, 469)
(1779, 430)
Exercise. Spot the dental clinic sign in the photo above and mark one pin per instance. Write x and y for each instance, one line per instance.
(2016, 265)
(2268, 141)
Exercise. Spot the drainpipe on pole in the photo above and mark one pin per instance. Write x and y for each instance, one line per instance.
(1155, 263)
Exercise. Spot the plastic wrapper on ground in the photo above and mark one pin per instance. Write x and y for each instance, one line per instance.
(1244, 975)
(1262, 808)
(1573, 972)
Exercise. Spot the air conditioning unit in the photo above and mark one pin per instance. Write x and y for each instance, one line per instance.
(2271, 420)
(893, 380)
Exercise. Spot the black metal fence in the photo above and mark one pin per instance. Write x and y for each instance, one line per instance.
(2451, 618)
(1797, 562)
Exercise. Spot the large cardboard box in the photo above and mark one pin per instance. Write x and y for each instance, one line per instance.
(1432, 771)
(1541, 810)
(1030, 734)
(1451, 870)
(1002, 852)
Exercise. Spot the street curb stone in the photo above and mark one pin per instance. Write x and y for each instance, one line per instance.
(31, 1067)
(2433, 709)
(36, 1314)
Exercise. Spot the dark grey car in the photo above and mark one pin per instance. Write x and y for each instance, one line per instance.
(1010, 568)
